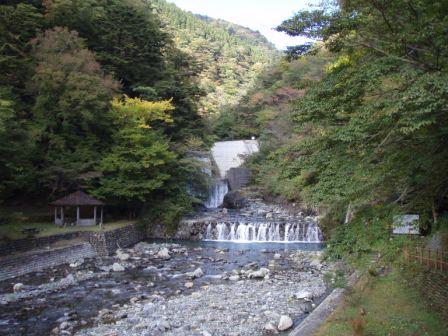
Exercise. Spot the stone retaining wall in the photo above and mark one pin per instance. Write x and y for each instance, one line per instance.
(17, 265)
(434, 288)
(106, 242)
(26, 244)
(96, 243)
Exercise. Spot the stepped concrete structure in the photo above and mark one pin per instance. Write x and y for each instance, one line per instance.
(231, 154)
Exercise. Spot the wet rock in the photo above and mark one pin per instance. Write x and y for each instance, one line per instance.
(18, 287)
(285, 323)
(116, 267)
(277, 256)
(269, 215)
(195, 274)
(164, 254)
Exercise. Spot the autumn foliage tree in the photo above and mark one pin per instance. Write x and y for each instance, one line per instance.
(71, 113)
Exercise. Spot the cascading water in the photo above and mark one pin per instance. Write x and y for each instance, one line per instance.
(216, 194)
(303, 231)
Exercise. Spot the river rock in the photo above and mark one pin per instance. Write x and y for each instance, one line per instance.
(260, 274)
(164, 253)
(106, 316)
(285, 323)
(122, 255)
(189, 284)
(116, 267)
(277, 256)
(68, 280)
(234, 277)
(304, 295)
(270, 329)
(77, 263)
(18, 287)
(64, 325)
(195, 274)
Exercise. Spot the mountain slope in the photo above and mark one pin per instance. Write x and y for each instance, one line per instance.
(228, 57)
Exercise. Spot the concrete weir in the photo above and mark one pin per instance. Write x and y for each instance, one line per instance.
(231, 154)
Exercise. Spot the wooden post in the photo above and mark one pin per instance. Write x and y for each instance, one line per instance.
(101, 219)
(56, 215)
(94, 214)
(420, 252)
(62, 216)
(77, 215)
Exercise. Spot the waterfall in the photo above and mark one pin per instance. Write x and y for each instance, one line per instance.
(303, 231)
(216, 194)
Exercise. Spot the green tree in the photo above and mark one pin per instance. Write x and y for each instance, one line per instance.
(140, 161)
(373, 130)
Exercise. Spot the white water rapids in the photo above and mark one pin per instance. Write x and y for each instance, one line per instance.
(308, 232)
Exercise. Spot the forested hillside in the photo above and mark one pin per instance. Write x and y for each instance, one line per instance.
(95, 95)
(227, 58)
(369, 138)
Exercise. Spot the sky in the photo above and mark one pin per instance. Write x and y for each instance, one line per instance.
(261, 15)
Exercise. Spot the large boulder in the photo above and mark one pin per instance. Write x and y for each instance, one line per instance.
(234, 200)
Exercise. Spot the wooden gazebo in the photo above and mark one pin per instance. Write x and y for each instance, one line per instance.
(79, 200)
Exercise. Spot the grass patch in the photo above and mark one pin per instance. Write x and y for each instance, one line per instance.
(14, 230)
(387, 306)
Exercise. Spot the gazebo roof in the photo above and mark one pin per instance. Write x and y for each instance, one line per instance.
(77, 198)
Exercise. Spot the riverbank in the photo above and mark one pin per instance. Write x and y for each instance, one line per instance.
(171, 289)
(384, 304)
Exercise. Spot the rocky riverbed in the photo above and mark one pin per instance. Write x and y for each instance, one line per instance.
(170, 289)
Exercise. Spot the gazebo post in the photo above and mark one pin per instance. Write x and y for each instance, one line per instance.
(77, 215)
(94, 214)
(62, 216)
(101, 219)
